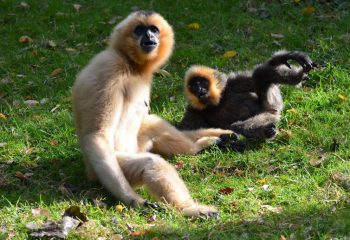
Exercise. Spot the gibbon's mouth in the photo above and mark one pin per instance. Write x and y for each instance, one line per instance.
(204, 99)
(148, 45)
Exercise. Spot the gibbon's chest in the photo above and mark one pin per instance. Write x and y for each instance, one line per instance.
(135, 108)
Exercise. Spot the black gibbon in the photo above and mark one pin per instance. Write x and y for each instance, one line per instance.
(115, 131)
(249, 103)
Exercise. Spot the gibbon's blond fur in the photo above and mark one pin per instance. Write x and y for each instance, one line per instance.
(110, 104)
(214, 85)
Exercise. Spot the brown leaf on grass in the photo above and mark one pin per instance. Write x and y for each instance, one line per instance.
(230, 54)
(74, 212)
(238, 172)
(179, 165)
(53, 142)
(25, 39)
(342, 97)
(193, 26)
(40, 212)
(55, 72)
(308, 10)
(292, 110)
(226, 190)
(272, 209)
(77, 7)
(283, 237)
(261, 181)
(341, 179)
(2, 116)
(130, 227)
(286, 134)
(20, 176)
(138, 233)
(318, 160)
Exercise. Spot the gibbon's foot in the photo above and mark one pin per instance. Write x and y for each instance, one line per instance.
(270, 130)
(303, 59)
(198, 211)
(226, 139)
(239, 146)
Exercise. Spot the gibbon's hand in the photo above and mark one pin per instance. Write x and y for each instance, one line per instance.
(303, 59)
(153, 206)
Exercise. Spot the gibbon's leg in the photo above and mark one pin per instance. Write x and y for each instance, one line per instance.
(162, 180)
(266, 76)
(102, 160)
(163, 138)
(263, 125)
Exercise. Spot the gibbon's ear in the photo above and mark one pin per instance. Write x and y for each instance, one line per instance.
(126, 39)
(216, 83)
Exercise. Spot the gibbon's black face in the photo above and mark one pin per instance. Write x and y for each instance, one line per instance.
(148, 37)
(199, 86)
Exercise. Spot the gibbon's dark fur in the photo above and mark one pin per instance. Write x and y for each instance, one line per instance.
(116, 132)
(249, 103)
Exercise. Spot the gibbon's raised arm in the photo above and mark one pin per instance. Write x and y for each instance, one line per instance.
(110, 104)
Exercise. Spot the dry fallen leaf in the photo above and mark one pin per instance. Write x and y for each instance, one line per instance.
(277, 35)
(179, 165)
(53, 142)
(52, 44)
(163, 73)
(283, 237)
(292, 110)
(318, 160)
(40, 212)
(193, 26)
(272, 209)
(25, 39)
(308, 10)
(55, 72)
(226, 190)
(342, 97)
(77, 7)
(230, 54)
(341, 179)
(261, 181)
(70, 50)
(31, 103)
(24, 5)
(2, 116)
(20, 176)
(138, 233)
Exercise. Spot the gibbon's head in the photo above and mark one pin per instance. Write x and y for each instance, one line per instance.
(145, 38)
(203, 86)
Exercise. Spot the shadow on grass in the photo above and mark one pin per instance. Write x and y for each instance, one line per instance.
(49, 182)
(297, 224)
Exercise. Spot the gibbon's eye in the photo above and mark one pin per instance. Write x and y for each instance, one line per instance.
(154, 29)
(140, 30)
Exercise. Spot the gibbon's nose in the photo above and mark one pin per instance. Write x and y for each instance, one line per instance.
(148, 42)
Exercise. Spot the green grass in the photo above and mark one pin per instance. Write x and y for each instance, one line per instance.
(41, 139)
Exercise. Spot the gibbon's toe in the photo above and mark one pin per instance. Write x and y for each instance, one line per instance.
(198, 211)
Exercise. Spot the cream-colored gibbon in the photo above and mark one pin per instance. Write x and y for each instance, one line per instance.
(110, 105)
(249, 103)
